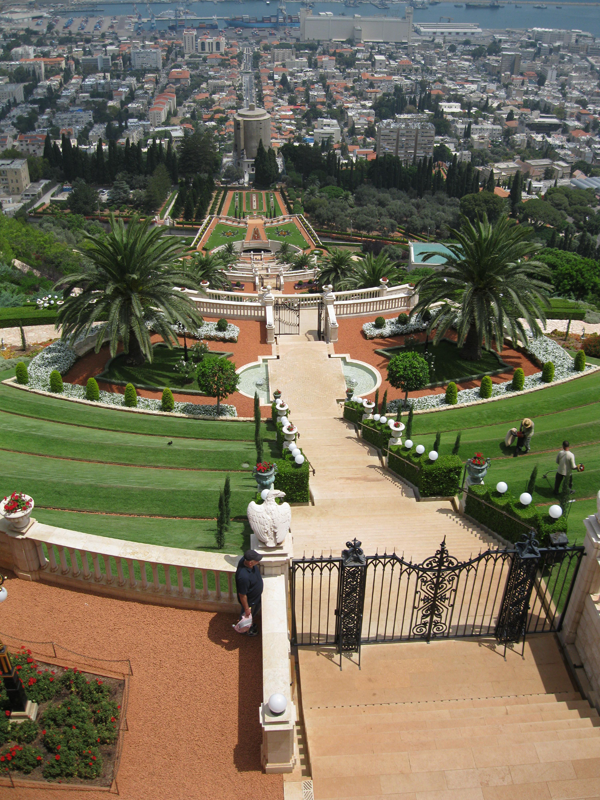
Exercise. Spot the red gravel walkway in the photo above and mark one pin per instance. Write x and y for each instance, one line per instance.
(194, 730)
(352, 340)
(251, 344)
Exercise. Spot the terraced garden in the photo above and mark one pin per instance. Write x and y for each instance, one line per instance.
(566, 411)
(90, 469)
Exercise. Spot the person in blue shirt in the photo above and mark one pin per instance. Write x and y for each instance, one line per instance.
(249, 583)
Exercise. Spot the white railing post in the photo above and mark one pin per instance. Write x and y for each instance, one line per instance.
(268, 301)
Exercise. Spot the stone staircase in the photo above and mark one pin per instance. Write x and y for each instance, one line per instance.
(452, 720)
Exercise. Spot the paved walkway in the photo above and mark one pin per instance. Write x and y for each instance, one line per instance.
(34, 334)
(354, 495)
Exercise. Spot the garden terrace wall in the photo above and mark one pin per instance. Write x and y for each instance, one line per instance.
(504, 515)
(121, 569)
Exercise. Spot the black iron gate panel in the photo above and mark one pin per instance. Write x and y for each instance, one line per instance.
(287, 317)
(500, 593)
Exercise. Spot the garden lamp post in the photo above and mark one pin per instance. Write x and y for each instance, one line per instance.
(17, 699)
(181, 331)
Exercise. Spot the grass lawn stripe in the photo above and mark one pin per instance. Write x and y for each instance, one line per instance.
(26, 404)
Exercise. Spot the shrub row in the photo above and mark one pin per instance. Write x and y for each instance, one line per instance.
(439, 478)
(376, 433)
(505, 515)
(293, 479)
(353, 411)
(26, 315)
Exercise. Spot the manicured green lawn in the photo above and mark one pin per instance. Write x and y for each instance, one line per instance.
(74, 459)
(248, 201)
(161, 372)
(449, 364)
(217, 238)
(567, 411)
(278, 210)
(286, 233)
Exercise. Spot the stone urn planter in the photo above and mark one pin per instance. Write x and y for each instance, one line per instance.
(368, 407)
(477, 468)
(282, 409)
(276, 395)
(264, 475)
(289, 432)
(17, 508)
(396, 429)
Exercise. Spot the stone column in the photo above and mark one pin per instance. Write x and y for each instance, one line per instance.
(587, 582)
(278, 743)
(331, 323)
(383, 286)
(267, 301)
(18, 552)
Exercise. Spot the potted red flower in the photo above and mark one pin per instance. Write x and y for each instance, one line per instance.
(17, 508)
(264, 474)
(477, 467)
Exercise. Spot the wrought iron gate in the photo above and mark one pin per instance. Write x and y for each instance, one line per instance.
(287, 317)
(502, 593)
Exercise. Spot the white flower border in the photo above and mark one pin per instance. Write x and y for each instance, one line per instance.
(209, 331)
(61, 356)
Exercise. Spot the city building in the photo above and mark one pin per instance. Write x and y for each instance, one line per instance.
(327, 129)
(11, 91)
(189, 41)
(250, 126)
(148, 58)
(14, 175)
(448, 30)
(327, 27)
(211, 44)
(410, 141)
(511, 63)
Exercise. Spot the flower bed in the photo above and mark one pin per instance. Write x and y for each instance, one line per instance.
(74, 739)
(393, 328)
(61, 357)
(210, 332)
(541, 350)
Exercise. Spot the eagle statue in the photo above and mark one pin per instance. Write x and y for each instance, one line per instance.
(269, 521)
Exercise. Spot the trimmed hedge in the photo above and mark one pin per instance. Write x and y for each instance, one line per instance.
(92, 391)
(452, 394)
(130, 399)
(21, 373)
(439, 478)
(485, 390)
(579, 361)
(167, 400)
(353, 411)
(518, 381)
(548, 372)
(516, 519)
(26, 315)
(293, 479)
(376, 433)
(56, 382)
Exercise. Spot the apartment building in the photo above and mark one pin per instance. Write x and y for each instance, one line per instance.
(148, 58)
(14, 175)
(410, 141)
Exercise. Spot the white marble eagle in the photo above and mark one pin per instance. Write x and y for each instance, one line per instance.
(269, 521)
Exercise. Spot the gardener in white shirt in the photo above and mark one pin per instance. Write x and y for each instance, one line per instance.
(566, 464)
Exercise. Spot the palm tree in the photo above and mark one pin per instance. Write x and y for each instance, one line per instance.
(209, 268)
(487, 285)
(301, 261)
(284, 253)
(131, 282)
(335, 267)
(368, 272)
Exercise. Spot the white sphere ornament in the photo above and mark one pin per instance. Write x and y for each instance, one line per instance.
(284, 420)
(299, 459)
(408, 443)
(555, 512)
(3, 594)
(359, 399)
(420, 449)
(525, 499)
(265, 493)
(501, 487)
(295, 451)
(277, 704)
(376, 417)
(383, 420)
(433, 455)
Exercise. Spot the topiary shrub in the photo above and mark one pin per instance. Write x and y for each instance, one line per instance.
(591, 346)
(130, 399)
(21, 373)
(579, 363)
(548, 372)
(56, 382)
(518, 381)
(379, 322)
(92, 391)
(293, 479)
(167, 401)
(222, 325)
(402, 319)
(452, 394)
(485, 390)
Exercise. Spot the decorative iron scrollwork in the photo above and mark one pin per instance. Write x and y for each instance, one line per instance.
(433, 600)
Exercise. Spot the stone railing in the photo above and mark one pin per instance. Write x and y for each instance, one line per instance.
(229, 309)
(127, 570)
(375, 305)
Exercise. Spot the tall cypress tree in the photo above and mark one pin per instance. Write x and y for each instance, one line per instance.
(261, 167)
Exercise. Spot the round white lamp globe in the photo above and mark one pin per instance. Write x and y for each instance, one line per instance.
(433, 455)
(555, 512)
(277, 704)
(284, 420)
(408, 443)
(265, 493)
(383, 420)
(420, 449)
(295, 451)
(3, 594)
(501, 487)
(359, 400)
(299, 459)
(376, 417)
(525, 499)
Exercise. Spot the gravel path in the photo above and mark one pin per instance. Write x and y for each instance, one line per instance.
(34, 334)
(194, 730)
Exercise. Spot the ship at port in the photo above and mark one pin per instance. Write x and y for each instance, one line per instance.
(483, 4)
(279, 20)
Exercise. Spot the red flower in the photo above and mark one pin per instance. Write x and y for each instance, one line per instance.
(43, 732)
(113, 719)
(51, 679)
(74, 727)
(118, 706)
(58, 747)
(7, 713)
(93, 758)
(30, 660)
(39, 758)
(97, 740)
(57, 758)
